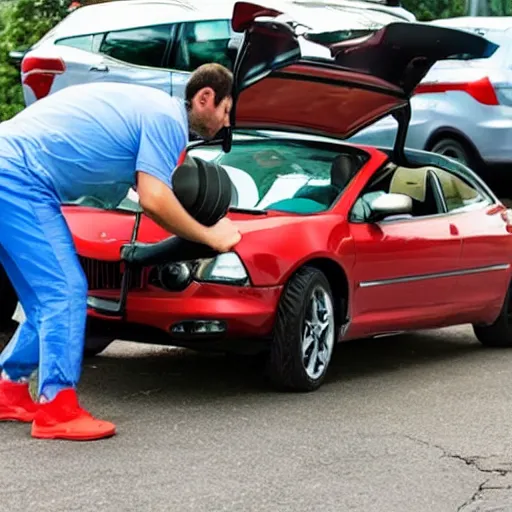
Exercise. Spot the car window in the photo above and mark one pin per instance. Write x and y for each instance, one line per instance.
(80, 42)
(458, 193)
(417, 183)
(286, 175)
(144, 46)
(89, 43)
(203, 42)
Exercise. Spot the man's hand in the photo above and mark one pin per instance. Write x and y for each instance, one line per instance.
(223, 236)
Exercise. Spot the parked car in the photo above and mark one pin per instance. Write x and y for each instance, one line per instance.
(462, 109)
(159, 42)
(339, 241)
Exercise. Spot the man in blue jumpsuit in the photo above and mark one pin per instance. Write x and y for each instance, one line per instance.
(97, 139)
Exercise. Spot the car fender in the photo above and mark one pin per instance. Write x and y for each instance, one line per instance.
(272, 255)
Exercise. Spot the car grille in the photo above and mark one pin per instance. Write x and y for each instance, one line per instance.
(107, 275)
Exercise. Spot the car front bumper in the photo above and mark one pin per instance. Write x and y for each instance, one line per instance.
(202, 311)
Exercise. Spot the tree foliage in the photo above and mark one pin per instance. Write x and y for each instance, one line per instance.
(427, 10)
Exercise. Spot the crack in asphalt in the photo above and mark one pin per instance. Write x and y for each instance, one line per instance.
(473, 462)
(477, 494)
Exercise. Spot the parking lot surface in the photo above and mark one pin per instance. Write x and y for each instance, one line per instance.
(414, 423)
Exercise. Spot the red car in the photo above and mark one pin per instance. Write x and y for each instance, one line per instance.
(339, 241)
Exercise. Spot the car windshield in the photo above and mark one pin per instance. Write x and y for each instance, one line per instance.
(270, 172)
(286, 174)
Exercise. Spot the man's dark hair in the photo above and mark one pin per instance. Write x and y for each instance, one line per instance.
(213, 75)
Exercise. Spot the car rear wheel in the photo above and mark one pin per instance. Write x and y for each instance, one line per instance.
(453, 149)
(305, 333)
(498, 334)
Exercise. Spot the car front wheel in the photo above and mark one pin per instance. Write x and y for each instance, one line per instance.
(499, 333)
(304, 334)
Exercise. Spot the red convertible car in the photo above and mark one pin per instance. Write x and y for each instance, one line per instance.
(339, 241)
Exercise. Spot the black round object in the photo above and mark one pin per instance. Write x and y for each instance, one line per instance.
(203, 188)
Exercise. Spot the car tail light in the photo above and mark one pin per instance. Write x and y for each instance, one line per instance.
(39, 73)
(481, 90)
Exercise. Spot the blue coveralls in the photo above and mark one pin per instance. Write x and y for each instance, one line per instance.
(83, 140)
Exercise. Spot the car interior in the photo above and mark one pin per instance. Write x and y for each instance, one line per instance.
(290, 177)
(317, 198)
(304, 181)
(432, 190)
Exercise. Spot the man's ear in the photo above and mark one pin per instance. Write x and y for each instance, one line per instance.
(204, 97)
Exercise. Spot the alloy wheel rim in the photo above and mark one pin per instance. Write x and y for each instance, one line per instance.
(318, 333)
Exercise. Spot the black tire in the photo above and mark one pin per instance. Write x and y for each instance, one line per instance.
(8, 301)
(95, 345)
(455, 149)
(286, 365)
(499, 333)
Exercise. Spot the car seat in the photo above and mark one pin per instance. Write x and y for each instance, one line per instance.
(456, 192)
(415, 183)
(343, 169)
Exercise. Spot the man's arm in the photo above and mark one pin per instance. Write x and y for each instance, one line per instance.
(162, 139)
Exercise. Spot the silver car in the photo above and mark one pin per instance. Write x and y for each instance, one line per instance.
(159, 42)
(463, 109)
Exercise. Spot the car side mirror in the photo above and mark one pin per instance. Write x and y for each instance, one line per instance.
(390, 204)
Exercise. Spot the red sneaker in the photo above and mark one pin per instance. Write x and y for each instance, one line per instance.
(63, 418)
(16, 404)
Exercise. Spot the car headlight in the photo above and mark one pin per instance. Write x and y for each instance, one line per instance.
(226, 268)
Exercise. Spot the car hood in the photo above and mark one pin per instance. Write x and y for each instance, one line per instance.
(284, 79)
(100, 234)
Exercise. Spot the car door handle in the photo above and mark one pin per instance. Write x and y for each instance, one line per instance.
(102, 68)
(453, 230)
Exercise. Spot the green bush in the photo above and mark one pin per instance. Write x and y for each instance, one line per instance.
(427, 10)
(22, 24)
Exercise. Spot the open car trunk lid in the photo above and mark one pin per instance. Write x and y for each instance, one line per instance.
(285, 79)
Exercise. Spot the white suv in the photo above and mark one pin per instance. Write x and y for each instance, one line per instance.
(160, 42)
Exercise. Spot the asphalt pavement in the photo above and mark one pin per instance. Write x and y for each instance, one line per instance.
(416, 423)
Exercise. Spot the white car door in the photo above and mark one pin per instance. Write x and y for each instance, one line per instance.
(135, 55)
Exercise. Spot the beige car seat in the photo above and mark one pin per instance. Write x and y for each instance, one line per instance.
(410, 182)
